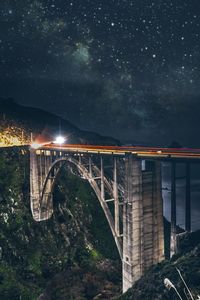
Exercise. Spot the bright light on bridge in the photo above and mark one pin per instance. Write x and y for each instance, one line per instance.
(59, 140)
(35, 146)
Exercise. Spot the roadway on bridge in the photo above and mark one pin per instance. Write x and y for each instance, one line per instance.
(156, 152)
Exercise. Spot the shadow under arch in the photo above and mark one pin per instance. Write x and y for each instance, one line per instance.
(49, 184)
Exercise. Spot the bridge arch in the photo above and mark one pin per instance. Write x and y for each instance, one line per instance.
(141, 200)
(45, 204)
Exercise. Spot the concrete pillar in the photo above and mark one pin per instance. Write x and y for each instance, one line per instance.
(132, 223)
(34, 185)
(90, 166)
(116, 198)
(102, 179)
(173, 240)
(153, 230)
(143, 242)
(40, 191)
(188, 200)
(158, 215)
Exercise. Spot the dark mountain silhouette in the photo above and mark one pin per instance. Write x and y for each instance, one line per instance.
(45, 125)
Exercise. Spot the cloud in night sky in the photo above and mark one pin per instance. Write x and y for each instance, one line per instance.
(125, 68)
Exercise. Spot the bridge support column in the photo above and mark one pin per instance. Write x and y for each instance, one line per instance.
(102, 180)
(143, 237)
(116, 198)
(90, 166)
(39, 189)
(188, 200)
(173, 240)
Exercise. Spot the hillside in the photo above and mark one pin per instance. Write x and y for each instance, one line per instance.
(62, 258)
(20, 124)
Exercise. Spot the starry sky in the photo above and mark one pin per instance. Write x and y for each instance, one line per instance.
(125, 68)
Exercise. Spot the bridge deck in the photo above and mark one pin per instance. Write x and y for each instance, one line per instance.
(148, 152)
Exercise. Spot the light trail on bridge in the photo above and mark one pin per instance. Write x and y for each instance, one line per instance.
(139, 151)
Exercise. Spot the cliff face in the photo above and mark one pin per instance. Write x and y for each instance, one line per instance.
(71, 256)
(20, 124)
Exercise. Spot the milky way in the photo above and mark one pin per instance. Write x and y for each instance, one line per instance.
(124, 68)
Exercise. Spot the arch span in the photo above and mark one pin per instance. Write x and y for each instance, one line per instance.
(141, 200)
(43, 209)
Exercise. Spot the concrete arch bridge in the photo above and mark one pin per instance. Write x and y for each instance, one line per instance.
(127, 183)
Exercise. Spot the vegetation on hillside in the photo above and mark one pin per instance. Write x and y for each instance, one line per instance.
(63, 258)
(12, 133)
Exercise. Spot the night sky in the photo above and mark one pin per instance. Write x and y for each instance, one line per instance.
(129, 69)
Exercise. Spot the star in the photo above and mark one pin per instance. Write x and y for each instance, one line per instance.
(97, 46)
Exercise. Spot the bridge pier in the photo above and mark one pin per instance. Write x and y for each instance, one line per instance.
(40, 185)
(143, 237)
(173, 236)
(188, 200)
(116, 197)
